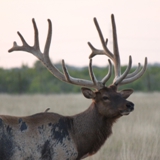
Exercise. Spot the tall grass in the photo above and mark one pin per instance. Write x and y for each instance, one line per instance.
(135, 137)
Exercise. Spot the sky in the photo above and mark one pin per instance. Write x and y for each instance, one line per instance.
(137, 21)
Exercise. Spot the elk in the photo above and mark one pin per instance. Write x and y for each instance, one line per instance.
(51, 136)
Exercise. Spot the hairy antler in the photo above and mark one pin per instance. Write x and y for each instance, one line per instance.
(119, 78)
(44, 58)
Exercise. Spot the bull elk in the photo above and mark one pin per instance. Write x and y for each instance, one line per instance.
(50, 136)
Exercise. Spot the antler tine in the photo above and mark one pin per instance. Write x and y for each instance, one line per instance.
(117, 61)
(106, 50)
(49, 37)
(65, 71)
(100, 84)
(136, 76)
(27, 48)
(91, 73)
(119, 79)
(69, 79)
(36, 35)
(135, 72)
(95, 51)
(19, 48)
(106, 78)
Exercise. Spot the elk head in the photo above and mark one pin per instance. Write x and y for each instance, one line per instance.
(109, 101)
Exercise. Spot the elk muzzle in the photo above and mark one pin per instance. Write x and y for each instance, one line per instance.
(129, 108)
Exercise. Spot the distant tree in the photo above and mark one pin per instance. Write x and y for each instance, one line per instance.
(38, 79)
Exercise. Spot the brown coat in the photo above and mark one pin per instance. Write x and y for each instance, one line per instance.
(50, 136)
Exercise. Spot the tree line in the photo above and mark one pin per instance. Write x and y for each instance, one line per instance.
(37, 79)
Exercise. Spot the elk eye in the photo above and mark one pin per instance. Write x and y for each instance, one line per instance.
(105, 98)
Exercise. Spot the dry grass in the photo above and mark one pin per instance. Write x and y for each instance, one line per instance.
(135, 137)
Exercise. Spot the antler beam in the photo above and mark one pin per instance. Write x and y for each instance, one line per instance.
(44, 58)
(119, 78)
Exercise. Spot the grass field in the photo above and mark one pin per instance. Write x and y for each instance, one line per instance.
(135, 137)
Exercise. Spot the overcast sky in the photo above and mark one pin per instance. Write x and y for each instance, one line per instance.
(138, 28)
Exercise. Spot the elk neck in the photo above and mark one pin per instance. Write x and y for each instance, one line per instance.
(91, 130)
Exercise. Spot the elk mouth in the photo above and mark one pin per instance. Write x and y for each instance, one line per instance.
(126, 112)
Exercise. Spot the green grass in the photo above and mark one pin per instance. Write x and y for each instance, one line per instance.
(135, 137)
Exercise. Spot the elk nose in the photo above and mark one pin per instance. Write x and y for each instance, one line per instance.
(130, 106)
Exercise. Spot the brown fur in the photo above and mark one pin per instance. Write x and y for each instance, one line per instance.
(48, 136)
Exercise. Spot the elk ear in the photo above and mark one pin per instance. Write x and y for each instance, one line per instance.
(126, 93)
(88, 93)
